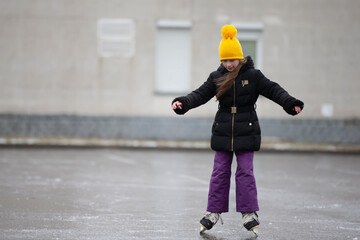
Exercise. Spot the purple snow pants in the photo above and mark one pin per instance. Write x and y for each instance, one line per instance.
(246, 193)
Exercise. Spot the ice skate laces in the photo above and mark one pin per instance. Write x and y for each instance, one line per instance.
(214, 217)
(248, 217)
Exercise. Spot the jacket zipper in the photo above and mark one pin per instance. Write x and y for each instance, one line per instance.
(233, 111)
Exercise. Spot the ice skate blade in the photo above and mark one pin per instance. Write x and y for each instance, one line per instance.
(202, 229)
(255, 230)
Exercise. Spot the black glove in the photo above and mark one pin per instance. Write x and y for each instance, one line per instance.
(185, 105)
(290, 107)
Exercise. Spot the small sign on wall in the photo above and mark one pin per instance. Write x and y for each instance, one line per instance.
(116, 37)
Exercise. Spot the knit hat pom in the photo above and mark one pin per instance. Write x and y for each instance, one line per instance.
(228, 31)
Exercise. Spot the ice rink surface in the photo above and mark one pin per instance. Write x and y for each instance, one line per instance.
(109, 193)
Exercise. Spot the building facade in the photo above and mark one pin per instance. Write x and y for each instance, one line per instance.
(131, 58)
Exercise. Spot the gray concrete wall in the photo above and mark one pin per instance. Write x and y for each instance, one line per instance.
(167, 132)
(49, 62)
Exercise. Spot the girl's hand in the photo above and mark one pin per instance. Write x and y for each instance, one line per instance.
(297, 109)
(176, 105)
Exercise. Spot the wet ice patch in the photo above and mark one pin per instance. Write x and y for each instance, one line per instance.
(193, 179)
(77, 218)
(315, 206)
(40, 181)
(120, 159)
(349, 228)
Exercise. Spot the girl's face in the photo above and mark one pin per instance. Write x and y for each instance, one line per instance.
(230, 64)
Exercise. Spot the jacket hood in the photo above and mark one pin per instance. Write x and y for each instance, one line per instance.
(248, 65)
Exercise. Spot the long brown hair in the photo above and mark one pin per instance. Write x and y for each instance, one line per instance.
(225, 82)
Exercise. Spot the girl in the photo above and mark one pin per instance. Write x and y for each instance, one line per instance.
(236, 130)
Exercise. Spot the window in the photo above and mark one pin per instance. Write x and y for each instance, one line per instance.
(250, 37)
(116, 37)
(173, 57)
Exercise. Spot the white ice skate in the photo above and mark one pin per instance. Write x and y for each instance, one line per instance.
(251, 222)
(209, 220)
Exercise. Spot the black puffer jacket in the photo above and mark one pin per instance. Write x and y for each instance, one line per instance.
(238, 129)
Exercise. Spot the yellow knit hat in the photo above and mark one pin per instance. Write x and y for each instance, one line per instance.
(230, 47)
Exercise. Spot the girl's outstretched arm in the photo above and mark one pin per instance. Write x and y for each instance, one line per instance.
(196, 98)
(276, 93)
